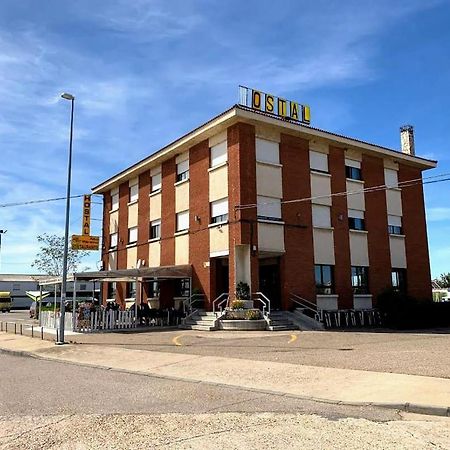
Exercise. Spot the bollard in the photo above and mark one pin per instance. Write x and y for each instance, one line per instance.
(57, 336)
(32, 331)
(21, 329)
(6, 326)
(15, 328)
(42, 333)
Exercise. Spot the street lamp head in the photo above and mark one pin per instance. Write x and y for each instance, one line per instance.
(67, 96)
(3, 231)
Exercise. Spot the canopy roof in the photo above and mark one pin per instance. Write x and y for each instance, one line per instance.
(34, 295)
(181, 271)
(5, 294)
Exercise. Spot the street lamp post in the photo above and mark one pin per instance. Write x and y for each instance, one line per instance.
(1, 233)
(60, 341)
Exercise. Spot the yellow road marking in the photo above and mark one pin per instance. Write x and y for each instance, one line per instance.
(175, 341)
(294, 337)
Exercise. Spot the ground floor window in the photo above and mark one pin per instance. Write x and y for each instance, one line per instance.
(112, 290)
(360, 280)
(153, 289)
(131, 289)
(324, 275)
(398, 277)
(182, 287)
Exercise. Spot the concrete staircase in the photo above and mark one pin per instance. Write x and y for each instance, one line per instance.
(281, 321)
(304, 321)
(201, 321)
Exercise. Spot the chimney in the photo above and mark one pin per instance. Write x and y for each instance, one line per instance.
(407, 139)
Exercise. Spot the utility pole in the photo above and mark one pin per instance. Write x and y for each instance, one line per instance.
(2, 232)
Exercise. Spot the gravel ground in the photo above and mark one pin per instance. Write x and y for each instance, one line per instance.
(217, 431)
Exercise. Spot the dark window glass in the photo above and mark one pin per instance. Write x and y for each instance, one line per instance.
(394, 229)
(153, 289)
(399, 280)
(155, 230)
(182, 287)
(356, 224)
(360, 280)
(183, 175)
(112, 290)
(353, 173)
(131, 289)
(218, 219)
(324, 279)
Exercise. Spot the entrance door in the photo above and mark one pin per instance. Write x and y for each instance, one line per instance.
(269, 281)
(222, 281)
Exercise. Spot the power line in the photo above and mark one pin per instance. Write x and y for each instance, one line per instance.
(45, 200)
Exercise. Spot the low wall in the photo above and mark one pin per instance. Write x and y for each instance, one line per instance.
(242, 325)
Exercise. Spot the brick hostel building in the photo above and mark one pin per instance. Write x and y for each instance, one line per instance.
(251, 196)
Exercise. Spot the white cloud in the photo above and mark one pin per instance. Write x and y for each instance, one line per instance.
(438, 214)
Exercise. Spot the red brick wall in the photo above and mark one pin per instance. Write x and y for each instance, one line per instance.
(122, 239)
(242, 190)
(168, 213)
(143, 217)
(415, 230)
(297, 274)
(377, 226)
(199, 206)
(107, 200)
(339, 220)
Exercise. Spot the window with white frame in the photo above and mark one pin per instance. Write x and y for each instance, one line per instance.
(155, 175)
(132, 235)
(353, 169)
(133, 192)
(318, 161)
(395, 225)
(321, 216)
(219, 154)
(267, 151)
(219, 211)
(391, 178)
(115, 201)
(113, 240)
(182, 221)
(268, 208)
(183, 170)
(356, 220)
(155, 229)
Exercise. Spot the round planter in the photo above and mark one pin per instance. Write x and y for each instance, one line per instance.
(242, 325)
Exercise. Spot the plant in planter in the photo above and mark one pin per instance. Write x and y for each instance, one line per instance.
(252, 314)
(242, 291)
(237, 304)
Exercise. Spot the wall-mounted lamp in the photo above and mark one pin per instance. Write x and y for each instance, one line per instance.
(197, 218)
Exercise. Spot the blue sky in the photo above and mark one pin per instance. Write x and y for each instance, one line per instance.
(144, 72)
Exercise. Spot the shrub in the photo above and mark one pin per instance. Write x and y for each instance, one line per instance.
(253, 314)
(243, 291)
(237, 304)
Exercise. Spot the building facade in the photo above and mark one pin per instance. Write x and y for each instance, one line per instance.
(284, 207)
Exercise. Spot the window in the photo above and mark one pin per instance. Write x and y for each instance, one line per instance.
(155, 229)
(183, 170)
(16, 287)
(132, 235)
(112, 290)
(395, 225)
(133, 192)
(219, 154)
(153, 289)
(155, 175)
(318, 161)
(113, 240)
(182, 287)
(360, 280)
(182, 221)
(114, 201)
(324, 279)
(83, 287)
(391, 178)
(353, 169)
(321, 216)
(131, 289)
(219, 211)
(399, 280)
(267, 151)
(356, 220)
(269, 208)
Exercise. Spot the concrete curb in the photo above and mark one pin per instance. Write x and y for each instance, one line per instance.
(406, 407)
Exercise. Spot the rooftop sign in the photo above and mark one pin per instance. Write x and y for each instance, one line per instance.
(276, 106)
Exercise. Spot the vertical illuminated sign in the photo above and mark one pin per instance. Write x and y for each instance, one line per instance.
(86, 228)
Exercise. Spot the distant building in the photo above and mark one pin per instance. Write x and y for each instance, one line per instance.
(19, 284)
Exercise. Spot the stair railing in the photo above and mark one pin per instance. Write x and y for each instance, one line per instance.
(188, 305)
(306, 304)
(217, 304)
(265, 302)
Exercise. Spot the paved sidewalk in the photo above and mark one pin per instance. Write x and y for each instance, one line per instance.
(429, 395)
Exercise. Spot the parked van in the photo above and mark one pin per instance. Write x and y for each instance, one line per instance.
(5, 301)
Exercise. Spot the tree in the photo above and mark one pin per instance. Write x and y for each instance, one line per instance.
(444, 280)
(50, 257)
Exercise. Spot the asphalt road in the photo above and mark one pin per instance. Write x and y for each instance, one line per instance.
(51, 405)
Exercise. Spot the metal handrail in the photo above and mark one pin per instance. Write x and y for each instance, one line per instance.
(306, 304)
(219, 301)
(265, 301)
(188, 302)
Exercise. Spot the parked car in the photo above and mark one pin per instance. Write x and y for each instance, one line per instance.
(5, 302)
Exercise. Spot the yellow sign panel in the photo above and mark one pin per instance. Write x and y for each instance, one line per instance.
(86, 229)
(85, 242)
(277, 106)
